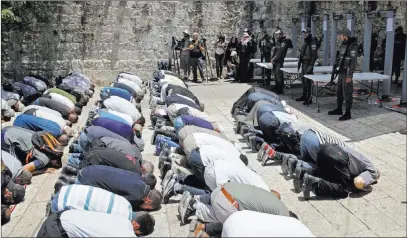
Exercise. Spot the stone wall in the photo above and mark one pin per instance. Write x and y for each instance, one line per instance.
(102, 38)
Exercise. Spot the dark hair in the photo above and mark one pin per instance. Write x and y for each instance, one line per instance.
(150, 180)
(141, 121)
(78, 110)
(244, 159)
(146, 222)
(292, 214)
(156, 197)
(5, 218)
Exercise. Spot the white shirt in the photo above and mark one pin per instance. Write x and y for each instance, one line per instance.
(212, 152)
(131, 84)
(62, 99)
(119, 104)
(133, 78)
(88, 198)
(41, 108)
(79, 223)
(285, 117)
(193, 112)
(162, 93)
(220, 172)
(52, 117)
(185, 97)
(255, 224)
(4, 105)
(126, 117)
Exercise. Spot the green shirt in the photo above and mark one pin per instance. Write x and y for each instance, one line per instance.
(63, 93)
(256, 199)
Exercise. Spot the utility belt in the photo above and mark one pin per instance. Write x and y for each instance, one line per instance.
(229, 197)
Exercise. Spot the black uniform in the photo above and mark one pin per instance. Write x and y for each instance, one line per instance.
(279, 53)
(345, 66)
(308, 56)
(266, 45)
(399, 51)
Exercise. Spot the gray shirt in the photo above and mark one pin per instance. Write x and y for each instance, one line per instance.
(11, 162)
(360, 165)
(21, 139)
(122, 146)
(256, 199)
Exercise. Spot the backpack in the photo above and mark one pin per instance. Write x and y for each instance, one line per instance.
(45, 142)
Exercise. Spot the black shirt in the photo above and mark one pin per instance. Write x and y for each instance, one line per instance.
(121, 182)
(113, 158)
(196, 51)
(54, 105)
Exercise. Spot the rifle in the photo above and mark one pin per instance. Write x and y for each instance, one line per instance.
(335, 72)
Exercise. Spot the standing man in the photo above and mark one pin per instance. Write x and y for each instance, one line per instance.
(280, 52)
(265, 46)
(307, 59)
(185, 54)
(197, 50)
(244, 49)
(345, 66)
(398, 55)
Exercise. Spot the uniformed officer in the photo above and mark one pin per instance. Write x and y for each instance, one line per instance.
(345, 66)
(307, 59)
(266, 46)
(398, 55)
(279, 53)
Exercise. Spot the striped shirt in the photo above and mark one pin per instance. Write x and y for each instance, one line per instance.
(88, 198)
(328, 139)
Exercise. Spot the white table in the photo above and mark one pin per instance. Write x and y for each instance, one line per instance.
(285, 60)
(294, 74)
(359, 77)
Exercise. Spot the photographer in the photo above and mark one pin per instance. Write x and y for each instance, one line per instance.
(197, 50)
(265, 46)
(220, 49)
(185, 47)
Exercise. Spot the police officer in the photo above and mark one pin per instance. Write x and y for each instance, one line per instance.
(266, 46)
(279, 53)
(307, 59)
(345, 66)
(398, 55)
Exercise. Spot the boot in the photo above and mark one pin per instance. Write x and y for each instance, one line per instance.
(243, 130)
(247, 137)
(345, 116)
(337, 111)
(186, 208)
(303, 97)
(262, 150)
(310, 183)
(298, 178)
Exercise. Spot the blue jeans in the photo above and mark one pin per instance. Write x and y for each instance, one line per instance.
(159, 142)
(197, 166)
(74, 159)
(82, 142)
(309, 146)
(268, 108)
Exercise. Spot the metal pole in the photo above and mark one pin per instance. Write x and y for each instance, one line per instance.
(403, 99)
(388, 63)
(325, 49)
(294, 36)
(367, 40)
(334, 24)
(313, 27)
(350, 23)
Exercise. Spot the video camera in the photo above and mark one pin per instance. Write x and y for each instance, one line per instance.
(176, 43)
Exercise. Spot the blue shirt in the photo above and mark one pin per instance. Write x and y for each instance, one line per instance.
(111, 91)
(112, 116)
(26, 89)
(121, 182)
(117, 127)
(38, 124)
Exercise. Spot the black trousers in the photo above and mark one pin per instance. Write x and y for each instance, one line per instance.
(52, 227)
(214, 229)
(278, 75)
(243, 74)
(306, 83)
(219, 64)
(267, 59)
(335, 177)
(396, 67)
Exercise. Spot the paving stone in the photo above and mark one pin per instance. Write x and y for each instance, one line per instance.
(161, 228)
(395, 209)
(321, 228)
(30, 193)
(366, 233)
(10, 226)
(30, 220)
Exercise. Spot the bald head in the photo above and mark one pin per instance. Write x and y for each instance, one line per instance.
(63, 139)
(73, 117)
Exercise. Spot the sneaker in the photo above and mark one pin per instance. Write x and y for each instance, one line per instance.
(71, 169)
(169, 191)
(59, 184)
(253, 143)
(165, 166)
(243, 130)
(69, 179)
(168, 176)
(292, 163)
(247, 137)
(197, 229)
(262, 150)
(284, 165)
(298, 179)
(186, 208)
(270, 152)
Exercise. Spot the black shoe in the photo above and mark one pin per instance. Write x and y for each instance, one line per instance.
(307, 102)
(71, 148)
(243, 130)
(337, 111)
(310, 183)
(70, 169)
(345, 116)
(69, 179)
(164, 168)
(59, 184)
(300, 99)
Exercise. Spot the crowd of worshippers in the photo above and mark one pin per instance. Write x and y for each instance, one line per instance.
(106, 188)
(34, 142)
(316, 161)
(196, 160)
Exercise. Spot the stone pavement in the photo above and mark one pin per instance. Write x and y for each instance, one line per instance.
(374, 131)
